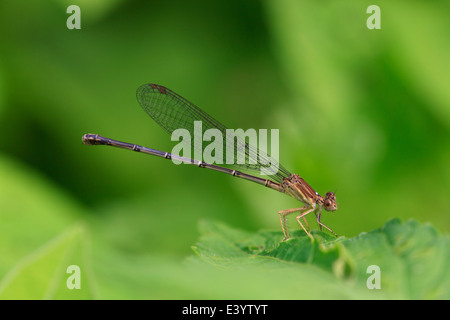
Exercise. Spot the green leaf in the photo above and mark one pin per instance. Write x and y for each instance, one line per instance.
(40, 275)
(40, 238)
(413, 259)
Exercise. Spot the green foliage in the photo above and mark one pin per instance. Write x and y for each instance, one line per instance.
(43, 274)
(40, 237)
(226, 264)
(414, 259)
(361, 112)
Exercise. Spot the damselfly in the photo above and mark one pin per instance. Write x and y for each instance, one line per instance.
(172, 112)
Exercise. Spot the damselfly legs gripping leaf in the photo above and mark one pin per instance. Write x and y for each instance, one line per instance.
(172, 112)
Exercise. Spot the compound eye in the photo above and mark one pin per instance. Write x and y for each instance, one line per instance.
(327, 203)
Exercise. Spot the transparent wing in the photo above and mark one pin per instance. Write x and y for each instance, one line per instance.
(171, 111)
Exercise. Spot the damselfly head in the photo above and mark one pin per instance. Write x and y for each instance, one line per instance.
(330, 203)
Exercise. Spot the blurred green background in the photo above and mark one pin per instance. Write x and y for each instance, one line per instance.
(364, 113)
